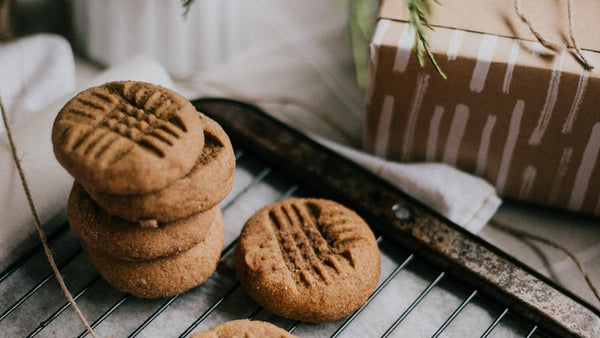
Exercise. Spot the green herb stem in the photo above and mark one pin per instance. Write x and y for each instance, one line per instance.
(418, 11)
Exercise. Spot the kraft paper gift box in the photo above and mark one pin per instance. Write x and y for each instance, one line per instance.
(512, 111)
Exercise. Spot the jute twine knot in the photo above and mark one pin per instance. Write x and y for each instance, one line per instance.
(574, 49)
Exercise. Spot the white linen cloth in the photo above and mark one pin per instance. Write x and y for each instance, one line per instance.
(34, 71)
(462, 198)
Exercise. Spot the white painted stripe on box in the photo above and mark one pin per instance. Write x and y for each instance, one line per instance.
(404, 48)
(378, 36)
(583, 80)
(455, 135)
(382, 133)
(484, 144)
(455, 43)
(434, 132)
(586, 167)
(484, 59)
(551, 96)
(380, 31)
(561, 172)
(415, 109)
(510, 65)
(509, 145)
(527, 181)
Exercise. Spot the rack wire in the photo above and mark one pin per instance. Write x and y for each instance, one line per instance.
(416, 296)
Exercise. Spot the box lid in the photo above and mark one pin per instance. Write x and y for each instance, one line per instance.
(499, 17)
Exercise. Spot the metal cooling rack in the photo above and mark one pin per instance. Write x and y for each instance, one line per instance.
(436, 279)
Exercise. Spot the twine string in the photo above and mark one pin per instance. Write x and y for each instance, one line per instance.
(575, 50)
(578, 53)
(38, 225)
(533, 28)
(524, 234)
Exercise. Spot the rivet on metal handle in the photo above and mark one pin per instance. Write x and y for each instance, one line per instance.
(402, 213)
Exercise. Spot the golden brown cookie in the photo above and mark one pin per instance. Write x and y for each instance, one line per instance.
(127, 240)
(244, 328)
(127, 137)
(209, 182)
(165, 276)
(307, 259)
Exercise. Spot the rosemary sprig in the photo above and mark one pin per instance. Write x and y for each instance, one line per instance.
(417, 10)
(187, 4)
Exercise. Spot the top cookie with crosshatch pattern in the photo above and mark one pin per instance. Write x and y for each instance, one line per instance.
(127, 137)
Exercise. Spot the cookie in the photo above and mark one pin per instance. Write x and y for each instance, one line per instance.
(307, 259)
(126, 240)
(244, 328)
(165, 276)
(209, 182)
(127, 137)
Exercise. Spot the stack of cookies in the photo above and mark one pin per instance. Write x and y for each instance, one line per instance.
(149, 173)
